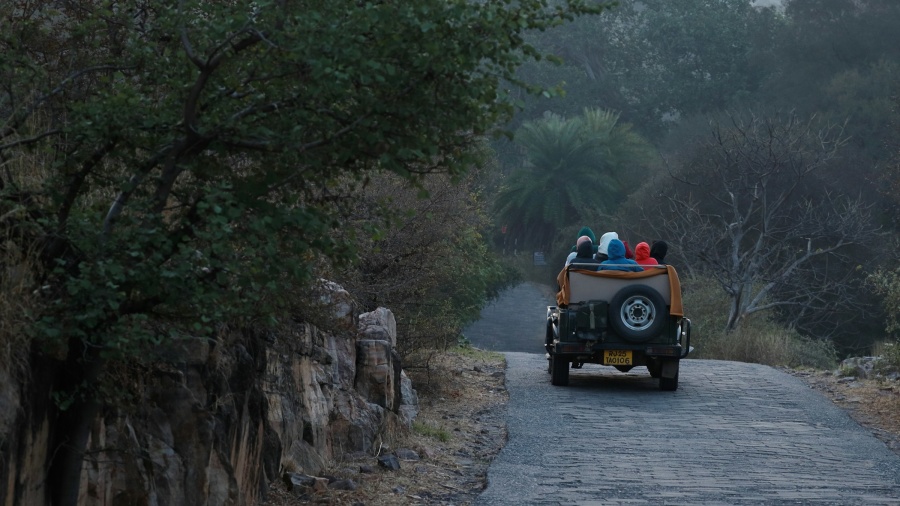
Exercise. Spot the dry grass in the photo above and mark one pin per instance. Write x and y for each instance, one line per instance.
(459, 429)
(18, 298)
(758, 340)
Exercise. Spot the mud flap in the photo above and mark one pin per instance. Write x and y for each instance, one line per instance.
(669, 369)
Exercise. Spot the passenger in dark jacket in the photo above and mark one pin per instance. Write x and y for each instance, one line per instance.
(617, 260)
(584, 254)
(658, 251)
(585, 231)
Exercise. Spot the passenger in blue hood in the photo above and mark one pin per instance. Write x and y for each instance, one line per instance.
(617, 260)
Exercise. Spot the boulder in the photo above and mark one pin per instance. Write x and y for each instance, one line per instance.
(378, 325)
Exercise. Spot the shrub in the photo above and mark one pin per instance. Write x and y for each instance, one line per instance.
(887, 284)
(889, 357)
(433, 432)
(428, 262)
(758, 339)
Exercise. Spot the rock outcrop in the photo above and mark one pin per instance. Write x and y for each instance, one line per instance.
(868, 368)
(234, 414)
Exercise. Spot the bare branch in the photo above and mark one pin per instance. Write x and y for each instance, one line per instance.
(753, 223)
(30, 140)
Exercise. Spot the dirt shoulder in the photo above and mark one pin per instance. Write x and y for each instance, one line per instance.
(873, 403)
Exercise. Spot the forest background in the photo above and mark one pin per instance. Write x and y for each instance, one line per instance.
(761, 143)
(170, 169)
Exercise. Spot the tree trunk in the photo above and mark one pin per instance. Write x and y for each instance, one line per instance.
(73, 425)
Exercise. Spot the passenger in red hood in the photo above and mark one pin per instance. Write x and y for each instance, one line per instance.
(642, 254)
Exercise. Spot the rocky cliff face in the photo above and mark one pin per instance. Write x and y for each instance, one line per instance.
(235, 414)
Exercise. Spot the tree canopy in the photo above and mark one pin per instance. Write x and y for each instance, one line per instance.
(574, 170)
(179, 164)
(168, 155)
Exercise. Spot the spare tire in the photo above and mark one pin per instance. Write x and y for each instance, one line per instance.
(637, 313)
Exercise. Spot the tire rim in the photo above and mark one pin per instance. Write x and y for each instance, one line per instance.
(638, 313)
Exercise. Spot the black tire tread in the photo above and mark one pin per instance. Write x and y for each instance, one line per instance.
(559, 371)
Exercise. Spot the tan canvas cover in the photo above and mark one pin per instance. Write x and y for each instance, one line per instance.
(675, 307)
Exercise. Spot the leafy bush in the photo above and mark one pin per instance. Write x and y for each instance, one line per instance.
(889, 357)
(887, 284)
(428, 260)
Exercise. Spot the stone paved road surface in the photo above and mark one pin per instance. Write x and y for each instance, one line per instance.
(733, 433)
(515, 321)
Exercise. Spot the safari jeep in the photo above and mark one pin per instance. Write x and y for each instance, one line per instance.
(620, 319)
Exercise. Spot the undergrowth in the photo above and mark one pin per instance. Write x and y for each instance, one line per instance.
(759, 339)
(467, 350)
(889, 353)
(427, 430)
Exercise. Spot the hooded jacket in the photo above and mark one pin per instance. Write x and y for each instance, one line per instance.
(585, 231)
(658, 251)
(588, 232)
(617, 260)
(642, 254)
(584, 254)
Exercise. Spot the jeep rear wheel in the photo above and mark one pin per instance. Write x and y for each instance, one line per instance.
(669, 384)
(559, 371)
(637, 313)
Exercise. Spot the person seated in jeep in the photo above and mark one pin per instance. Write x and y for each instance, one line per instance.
(601, 253)
(617, 260)
(584, 252)
(642, 254)
(584, 232)
(658, 251)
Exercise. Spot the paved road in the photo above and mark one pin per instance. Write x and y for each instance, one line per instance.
(515, 321)
(733, 433)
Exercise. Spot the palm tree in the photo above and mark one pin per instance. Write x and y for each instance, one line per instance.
(572, 171)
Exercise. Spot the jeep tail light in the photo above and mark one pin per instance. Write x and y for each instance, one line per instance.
(666, 350)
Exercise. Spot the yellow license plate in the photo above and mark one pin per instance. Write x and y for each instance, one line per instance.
(617, 357)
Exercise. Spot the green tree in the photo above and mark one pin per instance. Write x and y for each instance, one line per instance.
(887, 284)
(657, 60)
(184, 163)
(575, 170)
(820, 39)
(430, 264)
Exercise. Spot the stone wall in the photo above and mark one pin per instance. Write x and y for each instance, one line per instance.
(235, 414)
